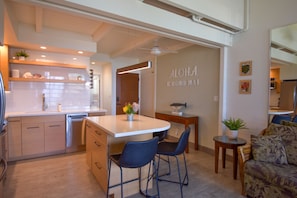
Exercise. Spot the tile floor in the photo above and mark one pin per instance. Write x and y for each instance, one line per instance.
(68, 176)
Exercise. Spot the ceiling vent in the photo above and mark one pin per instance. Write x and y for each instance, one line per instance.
(284, 49)
(196, 18)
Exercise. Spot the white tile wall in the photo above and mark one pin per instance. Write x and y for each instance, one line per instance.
(27, 96)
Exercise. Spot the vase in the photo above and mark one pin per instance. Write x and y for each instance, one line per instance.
(22, 58)
(232, 134)
(130, 117)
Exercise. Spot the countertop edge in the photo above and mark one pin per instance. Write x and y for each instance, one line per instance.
(45, 113)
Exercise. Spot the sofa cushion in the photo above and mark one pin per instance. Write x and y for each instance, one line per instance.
(280, 175)
(269, 148)
(288, 123)
(289, 138)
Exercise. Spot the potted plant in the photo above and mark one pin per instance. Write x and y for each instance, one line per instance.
(22, 55)
(234, 125)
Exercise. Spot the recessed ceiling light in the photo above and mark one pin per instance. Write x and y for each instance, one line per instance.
(42, 47)
(93, 62)
(43, 56)
(74, 58)
(80, 52)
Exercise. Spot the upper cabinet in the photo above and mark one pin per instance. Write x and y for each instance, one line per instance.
(4, 65)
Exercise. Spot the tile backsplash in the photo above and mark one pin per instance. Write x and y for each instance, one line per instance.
(27, 96)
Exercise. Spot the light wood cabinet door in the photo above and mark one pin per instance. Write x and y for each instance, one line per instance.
(54, 139)
(32, 138)
(4, 65)
(97, 151)
(14, 138)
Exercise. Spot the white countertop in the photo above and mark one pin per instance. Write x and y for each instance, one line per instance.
(279, 112)
(119, 126)
(49, 112)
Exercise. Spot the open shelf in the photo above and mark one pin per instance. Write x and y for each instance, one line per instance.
(45, 80)
(51, 64)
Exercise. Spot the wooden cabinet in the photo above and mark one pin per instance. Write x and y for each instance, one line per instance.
(97, 152)
(34, 136)
(4, 65)
(54, 136)
(14, 137)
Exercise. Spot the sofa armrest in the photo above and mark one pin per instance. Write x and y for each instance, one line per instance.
(244, 154)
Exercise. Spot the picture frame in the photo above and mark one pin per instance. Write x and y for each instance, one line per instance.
(245, 68)
(245, 86)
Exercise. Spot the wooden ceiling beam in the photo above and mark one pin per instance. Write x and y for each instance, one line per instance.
(38, 19)
(134, 45)
(101, 31)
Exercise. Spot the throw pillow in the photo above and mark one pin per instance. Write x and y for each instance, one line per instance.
(289, 138)
(269, 148)
(288, 123)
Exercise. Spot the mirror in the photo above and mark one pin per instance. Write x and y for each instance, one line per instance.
(283, 67)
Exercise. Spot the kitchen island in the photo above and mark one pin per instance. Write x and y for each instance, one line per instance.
(107, 135)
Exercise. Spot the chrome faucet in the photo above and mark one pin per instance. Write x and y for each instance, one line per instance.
(44, 105)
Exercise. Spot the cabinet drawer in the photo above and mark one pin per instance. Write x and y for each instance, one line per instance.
(100, 173)
(14, 137)
(54, 136)
(96, 133)
(32, 138)
(99, 154)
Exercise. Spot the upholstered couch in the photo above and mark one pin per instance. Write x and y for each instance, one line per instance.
(268, 166)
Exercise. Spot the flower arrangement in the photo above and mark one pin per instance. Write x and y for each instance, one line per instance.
(131, 108)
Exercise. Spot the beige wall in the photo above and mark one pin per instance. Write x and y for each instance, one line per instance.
(199, 98)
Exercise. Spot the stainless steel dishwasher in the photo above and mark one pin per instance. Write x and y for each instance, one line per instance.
(74, 132)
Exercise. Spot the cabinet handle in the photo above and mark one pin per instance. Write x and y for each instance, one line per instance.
(97, 164)
(99, 145)
(98, 132)
(33, 127)
(57, 125)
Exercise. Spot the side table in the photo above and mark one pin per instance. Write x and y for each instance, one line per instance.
(225, 143)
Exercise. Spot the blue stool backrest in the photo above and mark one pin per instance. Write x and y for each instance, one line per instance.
(139, 153)
(183, 141)
(278, 118)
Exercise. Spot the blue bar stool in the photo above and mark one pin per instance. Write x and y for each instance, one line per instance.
(136, 154)
(173, 149)
(278, 118)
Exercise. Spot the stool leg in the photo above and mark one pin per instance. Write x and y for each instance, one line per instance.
(186, 175)
(122, 193)
(156, 176)
(109, 167)
(180, 182)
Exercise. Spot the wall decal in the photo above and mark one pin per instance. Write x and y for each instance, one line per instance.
(185, 76)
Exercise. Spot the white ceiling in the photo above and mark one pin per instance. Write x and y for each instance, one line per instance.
(112, 40)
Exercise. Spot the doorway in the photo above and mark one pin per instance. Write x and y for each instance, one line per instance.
(127, 90)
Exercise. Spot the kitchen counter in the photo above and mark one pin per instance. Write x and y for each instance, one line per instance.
(107, 135)
(119, 126)
(49, 112)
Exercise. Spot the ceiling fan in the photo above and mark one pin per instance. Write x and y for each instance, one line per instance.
(156, 50)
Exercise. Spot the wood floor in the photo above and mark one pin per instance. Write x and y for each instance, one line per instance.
(68, 176)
